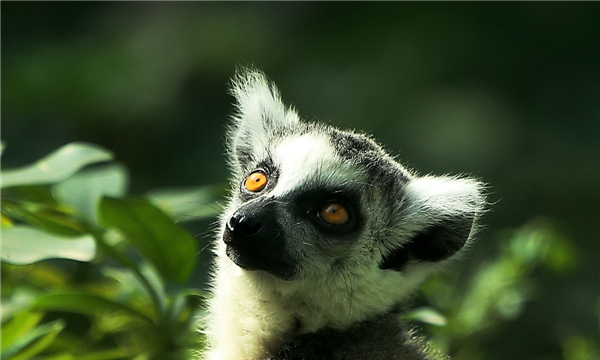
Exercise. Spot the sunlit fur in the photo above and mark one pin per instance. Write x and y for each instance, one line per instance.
(254, 314)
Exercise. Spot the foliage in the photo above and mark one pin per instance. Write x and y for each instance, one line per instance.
(122, 293)
(467, 308)
(91, 273)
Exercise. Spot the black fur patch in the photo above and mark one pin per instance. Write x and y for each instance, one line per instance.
(308, 203)
(267, 166)
(397, 260)
(435, 243)
(440, 241)
(382, 338)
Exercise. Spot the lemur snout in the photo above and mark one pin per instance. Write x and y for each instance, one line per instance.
(255, 240)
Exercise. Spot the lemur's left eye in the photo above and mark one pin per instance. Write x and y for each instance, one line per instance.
(256, 181)
(334, 214)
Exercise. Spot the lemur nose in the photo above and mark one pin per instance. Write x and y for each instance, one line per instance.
(244, 224)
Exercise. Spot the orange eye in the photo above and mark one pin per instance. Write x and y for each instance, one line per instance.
(334, 214)
(256, 181)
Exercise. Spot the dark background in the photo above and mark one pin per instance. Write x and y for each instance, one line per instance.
(507, 92)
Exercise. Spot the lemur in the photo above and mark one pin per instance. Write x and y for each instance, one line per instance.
(324, 238)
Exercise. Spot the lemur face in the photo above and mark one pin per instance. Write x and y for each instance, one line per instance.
(301, 205)
(311, 200)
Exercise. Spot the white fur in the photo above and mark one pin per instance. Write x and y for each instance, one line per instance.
(434, 197)
(256, 97)
(259, 110)
(309, 159)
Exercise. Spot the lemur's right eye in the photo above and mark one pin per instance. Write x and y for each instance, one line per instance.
(256, 181)
(334, 214)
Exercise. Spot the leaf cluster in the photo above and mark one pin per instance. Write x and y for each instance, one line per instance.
(89, 272)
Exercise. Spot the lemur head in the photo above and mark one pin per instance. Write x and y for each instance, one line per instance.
(310, 201)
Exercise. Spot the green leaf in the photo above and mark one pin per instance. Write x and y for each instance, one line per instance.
(15, 299)
(109, 354)
(53, 222)
(17, 327)
(34, 198)
(197, 293)
(34, 342)
(188, 204)
(5, 221)
(57, 166)
(59, 356)
(171, 249)
(23, 245)
(86, 304)
(84, 190)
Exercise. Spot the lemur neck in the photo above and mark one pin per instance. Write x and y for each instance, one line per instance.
(253, 313)
(336, 301)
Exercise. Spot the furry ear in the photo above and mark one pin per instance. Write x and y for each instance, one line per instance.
(442, 213)
(259, 113)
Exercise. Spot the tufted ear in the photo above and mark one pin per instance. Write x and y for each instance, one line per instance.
(259, 114)
(440, 215)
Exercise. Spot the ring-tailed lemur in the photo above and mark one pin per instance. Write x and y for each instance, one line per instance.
(324, 238)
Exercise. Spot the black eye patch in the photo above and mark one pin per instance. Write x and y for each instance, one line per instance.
(312, 204)
(265, 167)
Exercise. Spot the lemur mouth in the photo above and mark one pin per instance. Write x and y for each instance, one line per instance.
(250, 259)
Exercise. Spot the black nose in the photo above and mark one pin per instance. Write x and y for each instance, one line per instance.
(243, 224)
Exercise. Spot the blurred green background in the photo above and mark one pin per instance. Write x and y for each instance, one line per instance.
(507, 92)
